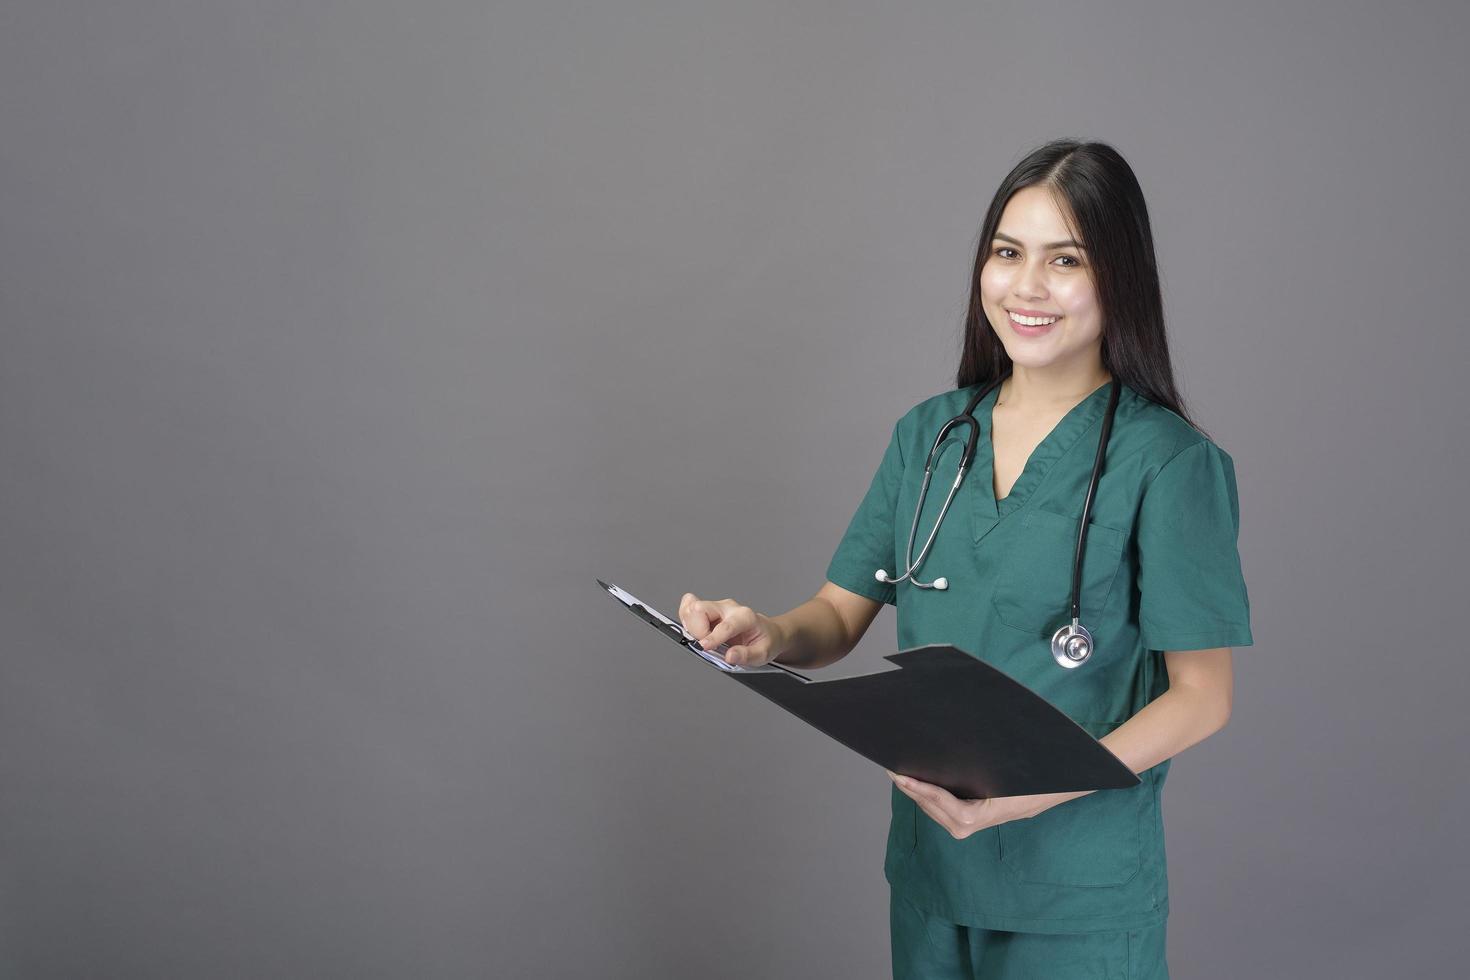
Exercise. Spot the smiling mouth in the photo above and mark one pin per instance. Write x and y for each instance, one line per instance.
(1032, 321)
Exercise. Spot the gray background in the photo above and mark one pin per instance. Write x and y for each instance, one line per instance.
(344, 344)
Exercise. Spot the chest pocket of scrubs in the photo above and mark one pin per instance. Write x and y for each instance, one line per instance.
(1033, 587)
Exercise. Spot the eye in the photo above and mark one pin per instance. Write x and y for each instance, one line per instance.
(1072, 262)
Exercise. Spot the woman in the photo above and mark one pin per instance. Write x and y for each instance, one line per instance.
(1065, 301)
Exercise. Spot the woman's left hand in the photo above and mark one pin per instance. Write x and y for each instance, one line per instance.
(964, 817)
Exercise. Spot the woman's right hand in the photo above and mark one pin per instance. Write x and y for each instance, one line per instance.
(753, 639)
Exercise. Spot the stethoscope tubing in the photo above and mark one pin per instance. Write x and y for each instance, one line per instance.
(1097, 465)
(967, 457)
(1072, 644)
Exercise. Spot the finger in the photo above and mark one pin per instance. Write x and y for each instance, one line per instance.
(961, 821)
(904, 783)
(733, 622)
(695, 614)
(908, 791)
(941, 799)
(758, 652)
(739, 654)
(935, 814)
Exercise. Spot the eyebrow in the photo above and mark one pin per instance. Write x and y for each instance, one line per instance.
(1069, 243)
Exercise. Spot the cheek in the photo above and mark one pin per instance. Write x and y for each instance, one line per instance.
(995, 283)
(1077, 300)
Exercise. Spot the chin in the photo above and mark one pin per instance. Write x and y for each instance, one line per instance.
(1027, 355)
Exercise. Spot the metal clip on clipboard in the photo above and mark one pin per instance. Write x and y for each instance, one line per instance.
(676, 632)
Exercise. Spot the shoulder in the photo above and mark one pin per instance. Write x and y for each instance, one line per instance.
(938, 409)
(921, 423)
(1159, 434)
(946, 404)
(1182, 473)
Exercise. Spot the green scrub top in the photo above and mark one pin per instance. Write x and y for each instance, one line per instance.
(1161, 572)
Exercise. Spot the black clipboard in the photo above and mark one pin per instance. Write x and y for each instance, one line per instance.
(943, 716)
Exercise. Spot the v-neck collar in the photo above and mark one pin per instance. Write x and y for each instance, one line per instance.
(1079, 418)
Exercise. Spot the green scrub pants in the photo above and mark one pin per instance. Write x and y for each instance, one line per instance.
(927, 947)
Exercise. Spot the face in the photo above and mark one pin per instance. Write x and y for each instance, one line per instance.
(1034, 269)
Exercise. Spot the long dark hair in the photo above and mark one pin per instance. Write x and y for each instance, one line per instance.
(1102, 203)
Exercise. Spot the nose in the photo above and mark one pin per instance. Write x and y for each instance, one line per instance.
(1030, 282)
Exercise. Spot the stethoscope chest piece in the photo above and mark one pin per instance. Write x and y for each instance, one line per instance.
(1071, 645)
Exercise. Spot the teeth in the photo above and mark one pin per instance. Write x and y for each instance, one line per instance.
(1034, 321)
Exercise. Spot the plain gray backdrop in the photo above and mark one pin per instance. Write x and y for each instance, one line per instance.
(346, 343)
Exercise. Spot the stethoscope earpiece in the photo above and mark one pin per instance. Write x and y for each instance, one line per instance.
(941, 583)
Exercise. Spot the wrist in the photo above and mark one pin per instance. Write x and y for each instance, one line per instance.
(777, 633)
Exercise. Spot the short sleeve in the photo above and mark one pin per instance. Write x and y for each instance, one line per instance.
(868, 543)
(1192, 595)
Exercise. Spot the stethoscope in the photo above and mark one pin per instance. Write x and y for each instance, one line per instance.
(1071, 644)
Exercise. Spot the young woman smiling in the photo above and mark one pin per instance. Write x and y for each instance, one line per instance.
(1064, 304)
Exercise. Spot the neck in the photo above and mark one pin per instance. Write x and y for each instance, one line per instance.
(1047, 389)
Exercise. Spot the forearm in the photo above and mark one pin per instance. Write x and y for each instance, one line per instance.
(813, 634)
(1180, 717)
